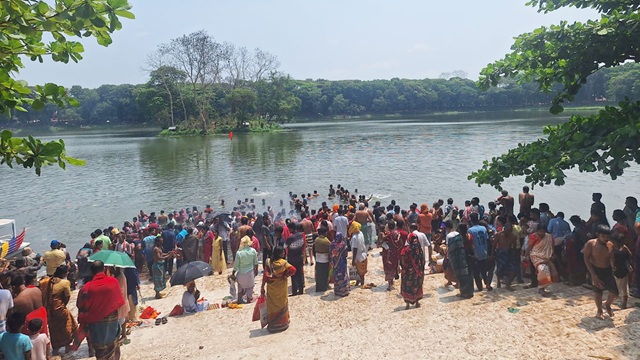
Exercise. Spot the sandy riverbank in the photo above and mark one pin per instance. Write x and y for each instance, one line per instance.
(373, 324)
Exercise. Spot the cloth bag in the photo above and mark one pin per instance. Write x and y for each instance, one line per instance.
(260, 311)
(353, 273)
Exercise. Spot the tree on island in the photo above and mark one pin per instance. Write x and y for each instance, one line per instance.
(567, 54)
(35, 30)
(219, 79)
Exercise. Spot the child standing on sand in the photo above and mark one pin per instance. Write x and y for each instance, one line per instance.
(621, 265)
(39, 342)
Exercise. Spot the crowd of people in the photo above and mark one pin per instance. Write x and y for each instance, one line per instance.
(472, 245)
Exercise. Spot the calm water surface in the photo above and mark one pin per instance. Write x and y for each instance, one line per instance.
(413, 160)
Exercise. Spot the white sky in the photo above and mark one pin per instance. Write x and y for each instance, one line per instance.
(328, 39)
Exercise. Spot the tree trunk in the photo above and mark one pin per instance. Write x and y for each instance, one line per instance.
(170, 101)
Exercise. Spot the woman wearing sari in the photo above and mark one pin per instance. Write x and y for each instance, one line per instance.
(412, 262)
(457, 255)
(339, 251)
(391, 247)
(56, 292)
(277, 293)
(218, 261)
(322, 248)
(207, 245)
(541, 251)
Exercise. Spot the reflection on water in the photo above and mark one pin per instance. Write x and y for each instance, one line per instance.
(413, 160)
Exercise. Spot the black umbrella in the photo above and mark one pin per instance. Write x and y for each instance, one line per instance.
(224, 216)
(189, 272)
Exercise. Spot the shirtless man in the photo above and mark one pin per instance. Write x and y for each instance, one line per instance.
(157, 271)
(597, 257)
(526, 200)
(365, 217)
(507, 255)
(307, 227)
(26, 299)
(507, 202)
(242, 230)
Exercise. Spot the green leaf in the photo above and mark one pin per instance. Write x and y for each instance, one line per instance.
(5, 135)
(98, 22)
(117, 4)
(125, 14)
(73, 102)
(37, 105)
(556, 109)
(74, 161)
(52, 148)
(50, 89)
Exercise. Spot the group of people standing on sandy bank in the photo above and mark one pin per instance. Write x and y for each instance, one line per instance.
(470, 244)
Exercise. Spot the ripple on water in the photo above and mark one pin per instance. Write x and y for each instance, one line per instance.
(417, 160)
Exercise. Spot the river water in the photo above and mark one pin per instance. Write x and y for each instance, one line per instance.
(411, 160)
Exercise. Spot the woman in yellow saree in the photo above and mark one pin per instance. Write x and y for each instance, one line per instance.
(218, 261)
(277, 294)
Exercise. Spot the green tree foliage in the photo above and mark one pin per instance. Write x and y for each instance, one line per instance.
(568, 54)
(276, 101)
(243, 104)
(37, 30)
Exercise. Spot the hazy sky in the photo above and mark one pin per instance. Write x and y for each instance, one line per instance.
(329, 39)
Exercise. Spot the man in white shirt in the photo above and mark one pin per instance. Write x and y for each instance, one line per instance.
(359, 250)
(341, 223)
(424, 241)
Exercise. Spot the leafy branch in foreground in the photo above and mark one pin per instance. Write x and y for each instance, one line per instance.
(24, 24)
(567, 54)
(30, 152)
(607, 142)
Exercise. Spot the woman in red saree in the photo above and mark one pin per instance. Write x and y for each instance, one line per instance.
(412, 262)
(207, 246)
(391, 246)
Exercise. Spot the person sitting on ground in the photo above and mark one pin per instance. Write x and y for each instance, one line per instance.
(190, 298)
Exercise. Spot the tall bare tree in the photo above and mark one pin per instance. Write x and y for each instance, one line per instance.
(194, 54)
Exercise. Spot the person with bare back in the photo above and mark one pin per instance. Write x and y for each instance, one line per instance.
(597, 257)
(526, 200)
(308, 230)
(365, 217)
(507, 255)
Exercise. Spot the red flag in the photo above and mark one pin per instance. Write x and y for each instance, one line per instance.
(231, 135)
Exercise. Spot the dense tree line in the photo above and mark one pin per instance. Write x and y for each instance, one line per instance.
(169, 98)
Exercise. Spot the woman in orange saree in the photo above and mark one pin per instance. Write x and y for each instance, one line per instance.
(277, 293)
(56, 292)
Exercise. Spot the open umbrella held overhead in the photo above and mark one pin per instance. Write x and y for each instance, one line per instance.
(113, 258)
(189, 272)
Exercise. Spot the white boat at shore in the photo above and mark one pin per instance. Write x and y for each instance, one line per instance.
(9, 236)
